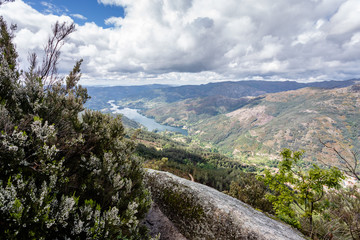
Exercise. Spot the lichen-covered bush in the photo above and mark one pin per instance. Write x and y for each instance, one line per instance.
(66, 173)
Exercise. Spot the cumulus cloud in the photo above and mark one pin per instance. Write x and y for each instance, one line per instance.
(33, 28)
(195, 41)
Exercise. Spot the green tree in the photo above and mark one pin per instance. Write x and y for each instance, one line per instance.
(296, 192)
(62, 176)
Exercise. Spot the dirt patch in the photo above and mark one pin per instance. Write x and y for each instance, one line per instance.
(255, 116)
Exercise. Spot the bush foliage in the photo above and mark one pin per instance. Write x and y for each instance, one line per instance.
(62, 175)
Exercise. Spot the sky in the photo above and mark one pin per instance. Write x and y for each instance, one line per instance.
(127, 42)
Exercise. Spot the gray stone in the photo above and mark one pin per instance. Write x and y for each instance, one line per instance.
(157, 223)
(201, 212)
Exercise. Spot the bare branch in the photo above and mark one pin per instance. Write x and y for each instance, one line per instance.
(5, 1)
(348, 166)
(52, 51)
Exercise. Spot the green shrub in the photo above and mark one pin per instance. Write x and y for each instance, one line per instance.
(62, 177)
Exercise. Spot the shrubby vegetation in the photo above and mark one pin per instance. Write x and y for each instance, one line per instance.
(302, 194)
(62, 177)
(342, 213)
(295, 189)
(209, 168)
(251, 191)
(312, 199)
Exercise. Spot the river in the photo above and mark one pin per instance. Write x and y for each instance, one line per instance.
(149, 123)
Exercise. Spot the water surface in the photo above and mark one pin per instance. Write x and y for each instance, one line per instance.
(149, 123)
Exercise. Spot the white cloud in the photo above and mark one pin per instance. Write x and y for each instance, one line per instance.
(116, 21)
(34, 28)
(53, 9)
(347, 18)
(79, 16)
(112, 2)
(194, 41)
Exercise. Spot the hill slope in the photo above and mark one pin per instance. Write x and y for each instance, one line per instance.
(242, 118)
(264, 125)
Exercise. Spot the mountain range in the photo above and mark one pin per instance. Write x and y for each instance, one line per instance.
(144, 96)
(252, 118)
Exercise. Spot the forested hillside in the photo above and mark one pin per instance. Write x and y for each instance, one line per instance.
(248, 118)
(296, 119)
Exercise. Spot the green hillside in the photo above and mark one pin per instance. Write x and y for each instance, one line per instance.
(189, 111)
(264, 125)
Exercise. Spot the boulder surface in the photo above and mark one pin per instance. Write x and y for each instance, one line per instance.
(201, 212)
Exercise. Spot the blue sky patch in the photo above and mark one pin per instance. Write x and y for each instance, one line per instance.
(80, 11)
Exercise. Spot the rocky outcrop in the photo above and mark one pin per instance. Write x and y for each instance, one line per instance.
(201, 212)
(158, 223)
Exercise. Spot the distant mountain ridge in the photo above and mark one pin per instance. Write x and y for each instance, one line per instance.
(168, 94)
(246, 88)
